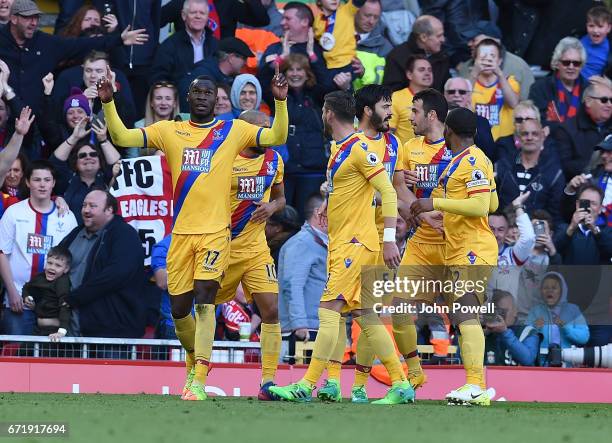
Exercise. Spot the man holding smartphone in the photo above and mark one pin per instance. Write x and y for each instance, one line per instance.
(583, 242)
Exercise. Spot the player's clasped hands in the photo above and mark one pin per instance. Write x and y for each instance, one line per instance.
(421, 205)
(391, 255)
(263, 212)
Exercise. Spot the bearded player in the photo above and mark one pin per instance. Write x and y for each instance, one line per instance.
(201, 154)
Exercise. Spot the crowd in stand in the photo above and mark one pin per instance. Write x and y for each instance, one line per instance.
(537, 74)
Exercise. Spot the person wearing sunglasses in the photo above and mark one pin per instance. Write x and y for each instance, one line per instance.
(577, 138)
(558, 95)
(458, 93)
(84, 163)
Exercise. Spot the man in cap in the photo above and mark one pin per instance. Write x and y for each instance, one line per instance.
(30, 54)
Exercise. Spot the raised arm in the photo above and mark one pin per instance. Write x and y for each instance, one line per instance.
(11, 150)
(120, 135)
(277, 134)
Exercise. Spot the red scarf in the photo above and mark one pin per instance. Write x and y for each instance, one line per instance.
(568, 104)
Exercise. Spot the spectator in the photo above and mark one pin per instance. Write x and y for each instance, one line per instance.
(184, 49)
(28, 230)
(534, 168)
(458, 92)
(107, 272)
(83, 165)
(509, 145)
(372, 45)
(420, 76)
(14, 182)
(279, 228)
(231, 58)
(596, 43)
(426, 39)
(298, 37)
(5, 11)
(369, 30)
(511, 256)
(245, 94)
(558, 95)
(302, 273)
(584, 241)
(512, 65)
(4, 127)
(600, 176)
(335, 31)
(494, 96)
(543, 254)
(511, 344)
(557, 321)
(8, 155)
(46, 294)
(44, 52)
(86, 17)
(577, 138)
(223, 105)
(307, 163)
(398, 17)
(85, 77)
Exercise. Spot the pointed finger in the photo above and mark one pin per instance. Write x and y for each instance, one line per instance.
(276, 69)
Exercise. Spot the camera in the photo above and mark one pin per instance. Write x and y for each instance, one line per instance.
(596, 357)
(584, 205)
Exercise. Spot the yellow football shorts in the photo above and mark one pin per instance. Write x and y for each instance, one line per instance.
(256, 271)
(344, 275)
(422, 262)
(196, 257)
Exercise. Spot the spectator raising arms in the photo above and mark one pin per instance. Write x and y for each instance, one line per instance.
(84, 163)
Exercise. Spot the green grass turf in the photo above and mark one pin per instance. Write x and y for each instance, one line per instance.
(154, 418)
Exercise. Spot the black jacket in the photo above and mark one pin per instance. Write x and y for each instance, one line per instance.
(532, 28)
(544, 91)
(395, 69)
(305, 142)
(41, 55)
(484, 138)
(576, 139)
(580, 249)
(174, 59)
(546, 185)
(139, 14)
(110, 298)
(248, 12)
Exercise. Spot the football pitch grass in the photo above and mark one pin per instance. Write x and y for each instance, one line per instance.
(156, 418)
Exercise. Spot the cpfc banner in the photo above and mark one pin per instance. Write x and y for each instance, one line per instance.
(143, 189)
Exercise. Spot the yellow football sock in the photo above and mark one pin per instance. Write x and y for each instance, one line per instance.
(363, 360)
(382, 345)
(324, 345)
(405, 335)
(270, 350)
(185, 332)
(204, 335)
(334, 365)
(472, 352)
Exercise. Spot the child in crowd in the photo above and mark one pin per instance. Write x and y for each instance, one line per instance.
(559, 322)
(335, 32)
(46, 294)
(596, 43)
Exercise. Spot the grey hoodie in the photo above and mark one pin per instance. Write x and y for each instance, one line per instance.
(239, 83)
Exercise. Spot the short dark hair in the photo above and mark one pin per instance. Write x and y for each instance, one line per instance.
(590, 187)
(499, 294)
(342, 104)
(411, 61)
(61, 252)
(542, 214)
(111, 202)
(40, 164)
(73, 156)
(368, 96)
(432, 101)
(204, 78)
(599, 15)
(302, 11)
(489, 42)
(312, 203)
(500, 213)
